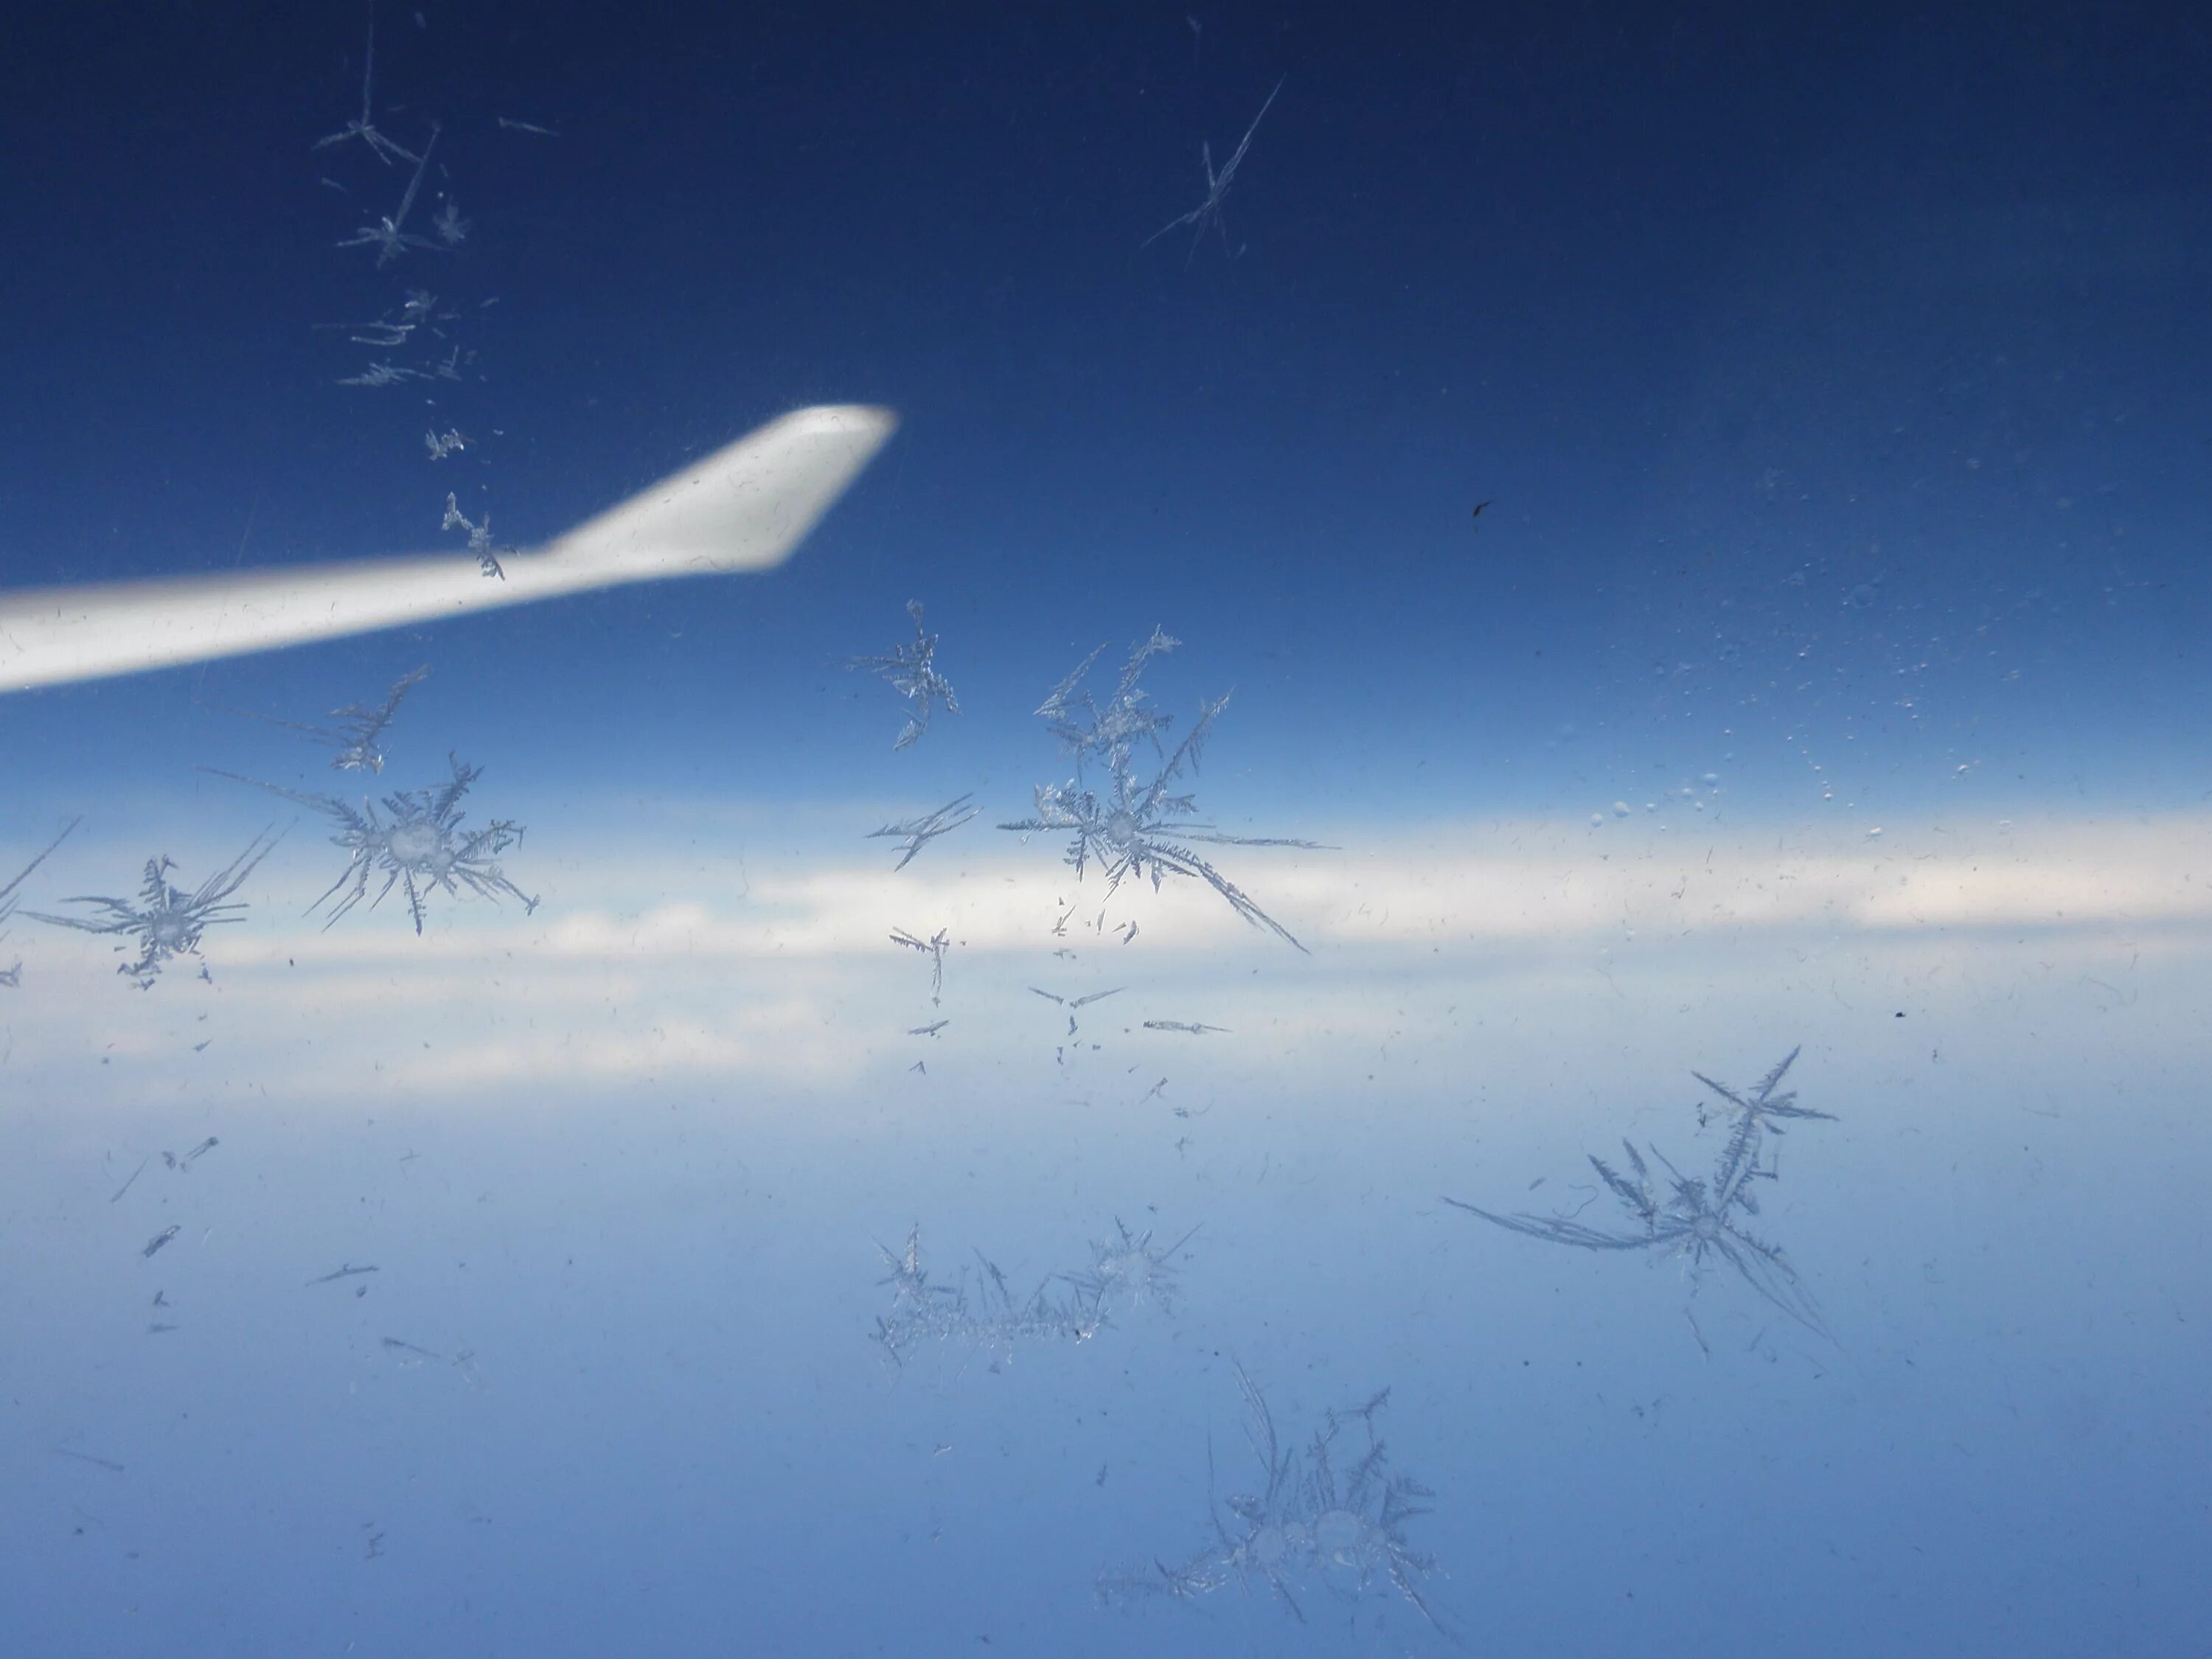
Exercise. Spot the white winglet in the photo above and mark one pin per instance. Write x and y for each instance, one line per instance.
(744, 508)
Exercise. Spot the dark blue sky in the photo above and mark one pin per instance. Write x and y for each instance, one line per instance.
(1833, 378)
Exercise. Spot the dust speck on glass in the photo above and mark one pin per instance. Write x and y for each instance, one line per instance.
(1544, 990)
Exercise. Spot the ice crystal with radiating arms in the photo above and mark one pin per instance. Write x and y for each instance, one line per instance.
(416, 841)
(12, 975)
(911, 671)
(389, 236)
(1209, 212)
(1127, 1272)
(363, 126)
(1698, 1221)
(165, 922)
(1331, 1516)
(1130, 828)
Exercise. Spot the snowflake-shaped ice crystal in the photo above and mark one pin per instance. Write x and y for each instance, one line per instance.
(1135, 828)
(416, 841)
(1127, 1272)
(166, 922)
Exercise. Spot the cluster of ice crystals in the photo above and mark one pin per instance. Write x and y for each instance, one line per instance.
(980, 1309)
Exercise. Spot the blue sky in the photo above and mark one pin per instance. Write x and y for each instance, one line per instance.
(1825, 668)
(1805, 372)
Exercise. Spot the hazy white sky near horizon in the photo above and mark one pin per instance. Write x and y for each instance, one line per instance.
(693, 957)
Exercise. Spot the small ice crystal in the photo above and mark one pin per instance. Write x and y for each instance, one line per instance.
(1209, 211)
(1129, 1273)
(377, 374)
(12, 977)
(911, 671)
(416, 841)
(479, 536)
(934, 948)
(357, 737)
(918, 832)
(166, 922)
(442, 444)
(364, 126)
(387, 234)
(452, 229)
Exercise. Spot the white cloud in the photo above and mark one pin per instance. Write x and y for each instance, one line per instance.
(776, 968)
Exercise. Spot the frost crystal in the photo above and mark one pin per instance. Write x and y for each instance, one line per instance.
(358, 735)
(479, 536)
(417, 842)
(387, 234)
(452, 229)
(1699, 1219)
(1128, 1273)
(934, 948)
(378, 374)
(911, 671)
(917, 833)
(1331, 1516)
(1209, 212)
(12, 976)
(1087, 730)
(979, 1309)
(364, 126)
(1132, 828)
(166, 921)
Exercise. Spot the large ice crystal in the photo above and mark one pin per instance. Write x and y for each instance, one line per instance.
(166, 922)
(415, 841)
(1329, 1516)
(1130, 826)
(1699, 1220)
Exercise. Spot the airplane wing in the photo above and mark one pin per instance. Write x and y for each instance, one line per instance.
(743, 507)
